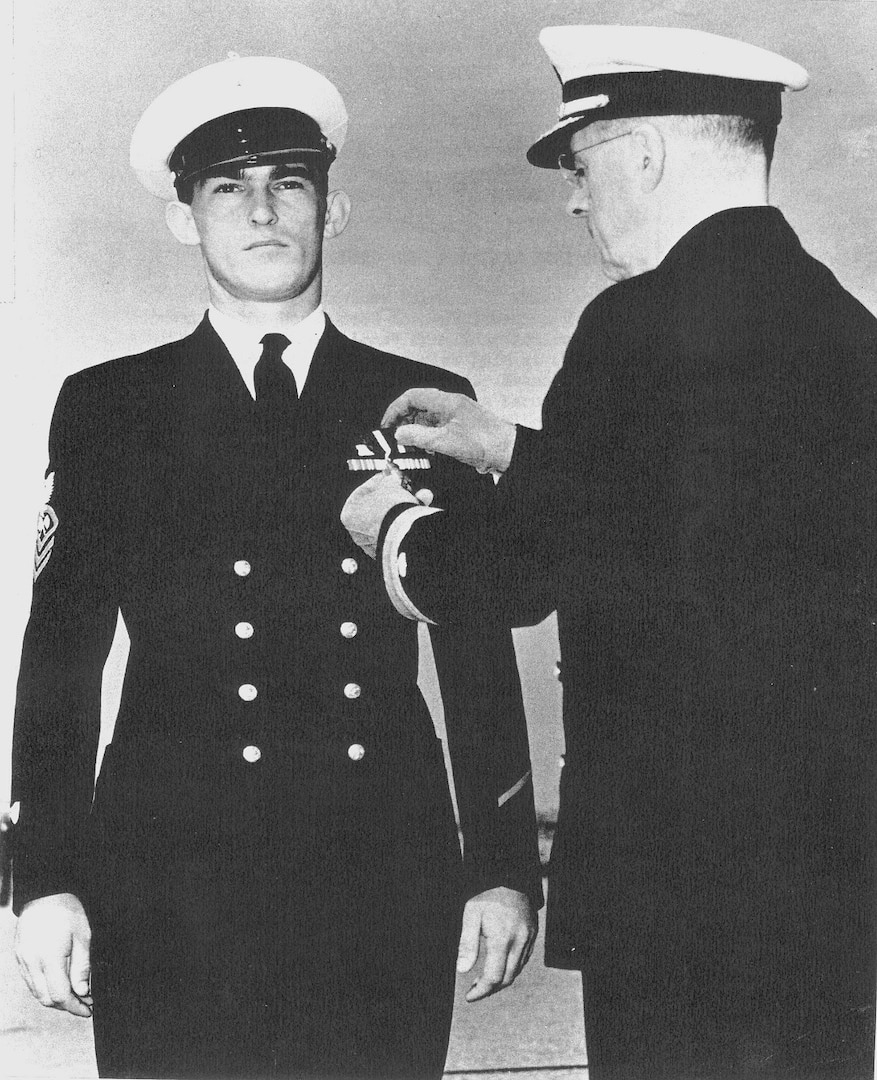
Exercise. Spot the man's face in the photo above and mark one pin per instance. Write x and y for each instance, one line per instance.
(605, 195)
(261, 231)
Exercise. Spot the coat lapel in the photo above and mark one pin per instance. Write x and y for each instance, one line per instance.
(333, 412)
(217, 452)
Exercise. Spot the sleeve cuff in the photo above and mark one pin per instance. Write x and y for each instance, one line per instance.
(393, 563)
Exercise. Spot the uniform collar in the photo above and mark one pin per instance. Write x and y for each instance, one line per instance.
(243, 341)
(734, 232)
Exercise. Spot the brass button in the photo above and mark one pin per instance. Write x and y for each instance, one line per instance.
(244, 630)
(356, 752)
(349, 566)
(251, 753)
(349, 629)
(248, 692)
(352, 690)
(242, 568)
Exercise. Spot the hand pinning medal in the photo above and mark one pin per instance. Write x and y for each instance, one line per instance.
(379, 450)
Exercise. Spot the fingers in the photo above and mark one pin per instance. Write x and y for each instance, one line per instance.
(52, 949)
(519, 955)
(505, 960)
(493, 975)
(80, 969)
(528, 950)
(397, 410)
(60, 992)
(49, 983)
(470, 935)
(425, 438)
(388, 485)
(413, 403)
(30, 980)
(383, 481)
(367, 506)
(508, 929)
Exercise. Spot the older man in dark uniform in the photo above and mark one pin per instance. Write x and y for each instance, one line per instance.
(699, 508)
(269, 881)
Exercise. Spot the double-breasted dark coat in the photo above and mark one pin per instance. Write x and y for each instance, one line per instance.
(700, 509)
(270, 866)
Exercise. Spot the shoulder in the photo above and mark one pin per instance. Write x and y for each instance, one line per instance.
(109, 395)
(830, 304)
(132, 368)
(618, 315)
(623, 303)
(127, 373)
(389, 370)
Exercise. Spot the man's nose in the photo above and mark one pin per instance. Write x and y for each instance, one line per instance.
(577, 203)
(262, 209)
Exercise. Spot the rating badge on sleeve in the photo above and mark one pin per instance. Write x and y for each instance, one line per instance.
(47, 524)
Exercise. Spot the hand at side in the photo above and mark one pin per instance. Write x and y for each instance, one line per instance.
(502, 924)
(52, 944)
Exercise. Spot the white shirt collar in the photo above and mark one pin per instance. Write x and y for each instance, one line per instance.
(244, 343)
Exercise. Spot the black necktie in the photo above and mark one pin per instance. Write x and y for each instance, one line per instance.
(276, 393)
(276, 406)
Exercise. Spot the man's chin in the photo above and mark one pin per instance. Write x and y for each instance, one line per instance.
(270, 291)
(614, 270)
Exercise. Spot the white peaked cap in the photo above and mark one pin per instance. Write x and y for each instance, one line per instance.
(230, 86)
(710, 74)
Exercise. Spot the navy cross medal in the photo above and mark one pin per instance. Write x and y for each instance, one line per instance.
(379, 451)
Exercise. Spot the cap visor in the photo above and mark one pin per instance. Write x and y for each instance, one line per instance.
(545, 151)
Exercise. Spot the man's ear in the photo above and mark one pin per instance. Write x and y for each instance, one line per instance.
(651, 151)
(337, 213)
(181, 223)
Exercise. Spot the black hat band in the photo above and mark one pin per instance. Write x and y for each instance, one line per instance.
(247, 136)
(675, 93)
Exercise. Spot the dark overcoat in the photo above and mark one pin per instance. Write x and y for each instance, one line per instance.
(700, 509)
(270, 865)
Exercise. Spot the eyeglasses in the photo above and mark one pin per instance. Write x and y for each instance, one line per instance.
(574, 173)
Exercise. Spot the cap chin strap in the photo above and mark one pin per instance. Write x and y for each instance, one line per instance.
(245, 136)
(251, 160)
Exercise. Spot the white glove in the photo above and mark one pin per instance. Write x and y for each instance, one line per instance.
(452, 424)
(368, 505)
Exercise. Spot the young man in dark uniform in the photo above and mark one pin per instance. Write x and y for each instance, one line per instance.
(699, 507)
(269, 881)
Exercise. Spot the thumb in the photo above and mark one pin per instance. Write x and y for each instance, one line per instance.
(419, 399)
(80, 968)
(427, 438)
(396, 410)
(470, 935)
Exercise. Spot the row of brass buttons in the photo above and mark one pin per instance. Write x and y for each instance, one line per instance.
(356, 752)
(248, 692)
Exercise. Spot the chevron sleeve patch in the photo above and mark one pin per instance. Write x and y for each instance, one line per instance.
(47, 525)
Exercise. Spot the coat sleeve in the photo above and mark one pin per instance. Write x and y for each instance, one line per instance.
(487, 732)
(473, 570)
(506, 560)
(490, 758)
(71, 625)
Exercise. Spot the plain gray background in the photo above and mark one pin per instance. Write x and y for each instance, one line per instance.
(458, 252)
